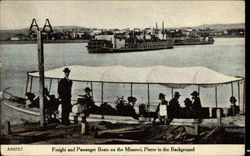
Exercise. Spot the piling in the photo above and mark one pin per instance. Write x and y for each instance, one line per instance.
(7, 127)
(218, 115)
(83, 128)
(41, 78)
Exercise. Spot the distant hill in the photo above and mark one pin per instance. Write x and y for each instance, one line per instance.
(222, 26)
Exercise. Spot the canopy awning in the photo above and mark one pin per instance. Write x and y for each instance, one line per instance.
(174, 77)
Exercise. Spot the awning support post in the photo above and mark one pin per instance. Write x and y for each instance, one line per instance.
(199, 89)
(131, 89)
(102, 97)
(244, 94)
(148, 109)
(50, 83)
(41, 78)
(91, 86)
(31, 80)
(239, 92)
(232, 89)
(27, 83)
(216, 102)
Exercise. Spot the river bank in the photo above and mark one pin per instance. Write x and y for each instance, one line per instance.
(108, 133)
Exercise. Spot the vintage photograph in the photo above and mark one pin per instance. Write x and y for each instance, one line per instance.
(122, 72)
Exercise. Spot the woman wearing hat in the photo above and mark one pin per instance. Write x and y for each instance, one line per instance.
(196, 105)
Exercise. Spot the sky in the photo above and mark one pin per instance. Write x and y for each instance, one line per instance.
(120, 14)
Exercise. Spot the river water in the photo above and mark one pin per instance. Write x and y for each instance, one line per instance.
(226, 55)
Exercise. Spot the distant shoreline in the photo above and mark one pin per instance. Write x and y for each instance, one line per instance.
(81, 41)
(50, 41)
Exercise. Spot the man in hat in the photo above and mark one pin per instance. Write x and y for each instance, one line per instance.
(87, 97)
(234, 109)
(64, 91)
(161, 109)
(174, 106)
(196, 104)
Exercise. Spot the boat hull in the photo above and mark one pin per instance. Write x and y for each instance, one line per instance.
(33, 115)
(132, 47)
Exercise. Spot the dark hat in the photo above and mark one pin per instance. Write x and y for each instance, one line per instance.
(195, 93)
(187, 100)
(132, 99)
(232, 99)
(177, 94)
(161, 96)
(87, 89)
(66, 70)
(30, 96)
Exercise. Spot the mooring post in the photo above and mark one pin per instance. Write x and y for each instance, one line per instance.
(7, 127)
(196, 129)
(41, 78)
(218, 115)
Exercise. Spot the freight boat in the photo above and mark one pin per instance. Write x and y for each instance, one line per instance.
(128, 41)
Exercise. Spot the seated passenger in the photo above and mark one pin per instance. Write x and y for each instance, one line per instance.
(87, 101)
(30, 99)
(161, 109)
(234, 109)
(132, 100)
(187, 109)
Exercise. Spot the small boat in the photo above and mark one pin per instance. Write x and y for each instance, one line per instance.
(155, 75)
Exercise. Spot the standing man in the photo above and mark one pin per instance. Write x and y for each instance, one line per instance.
(64, 91)
(196, 105)
(174, 106)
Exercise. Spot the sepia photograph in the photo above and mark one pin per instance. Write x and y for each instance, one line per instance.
(122, 77)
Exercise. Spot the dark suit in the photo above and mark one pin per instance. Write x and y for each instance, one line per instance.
(64, 91)
(174, 108)
(196, 106)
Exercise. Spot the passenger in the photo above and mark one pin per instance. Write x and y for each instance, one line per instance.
(64, 91)
(174, 106)
(196, 105)
(30, 99)
(132, 100)
(188, 108)
(88, 98)
(161, 109)
(129, 108)
(234, 109)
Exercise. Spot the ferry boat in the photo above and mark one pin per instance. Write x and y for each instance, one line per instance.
(170, 77)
